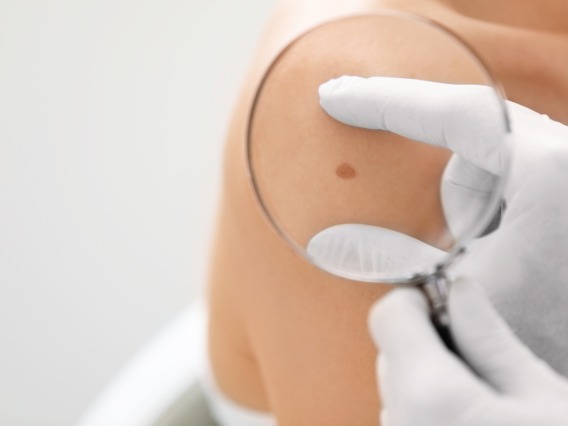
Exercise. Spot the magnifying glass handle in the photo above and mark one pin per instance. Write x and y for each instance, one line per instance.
(436, 291)
(441, 321)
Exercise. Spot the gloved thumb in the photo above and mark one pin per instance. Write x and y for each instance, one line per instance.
(369, 252)
(489, 346)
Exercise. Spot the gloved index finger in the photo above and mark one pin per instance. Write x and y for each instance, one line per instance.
(466, 119)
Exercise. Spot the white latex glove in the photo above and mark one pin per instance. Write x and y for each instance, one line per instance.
(524, 264)
(423, 384)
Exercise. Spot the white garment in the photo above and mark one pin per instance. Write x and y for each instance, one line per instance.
(226, 412)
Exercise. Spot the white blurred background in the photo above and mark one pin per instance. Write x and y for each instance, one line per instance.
(112, 114)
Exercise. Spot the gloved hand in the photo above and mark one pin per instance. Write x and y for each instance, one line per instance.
(524, 264)
(422, 383)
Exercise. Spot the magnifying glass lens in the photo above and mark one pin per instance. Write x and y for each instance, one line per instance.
(365, 204)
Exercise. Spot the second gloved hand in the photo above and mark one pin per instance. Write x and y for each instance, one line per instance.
(422, 383)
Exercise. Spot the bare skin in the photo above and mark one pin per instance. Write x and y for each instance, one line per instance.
(284, 336)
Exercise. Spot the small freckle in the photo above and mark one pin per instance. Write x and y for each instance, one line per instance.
(345, 171)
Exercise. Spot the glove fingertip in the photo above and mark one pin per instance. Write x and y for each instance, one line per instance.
(327, 89)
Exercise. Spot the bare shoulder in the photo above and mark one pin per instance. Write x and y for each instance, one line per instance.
(287, 337)
(302, 154)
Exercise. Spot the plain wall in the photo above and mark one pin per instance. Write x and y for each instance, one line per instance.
(112, 114)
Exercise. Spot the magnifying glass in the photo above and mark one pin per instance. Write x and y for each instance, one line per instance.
(396, 211)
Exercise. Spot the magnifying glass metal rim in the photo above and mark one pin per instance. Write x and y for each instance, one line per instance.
(475, 230)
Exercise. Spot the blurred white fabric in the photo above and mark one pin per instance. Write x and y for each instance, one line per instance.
(160, 385)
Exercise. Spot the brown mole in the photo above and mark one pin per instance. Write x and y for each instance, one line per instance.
(345, 171)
